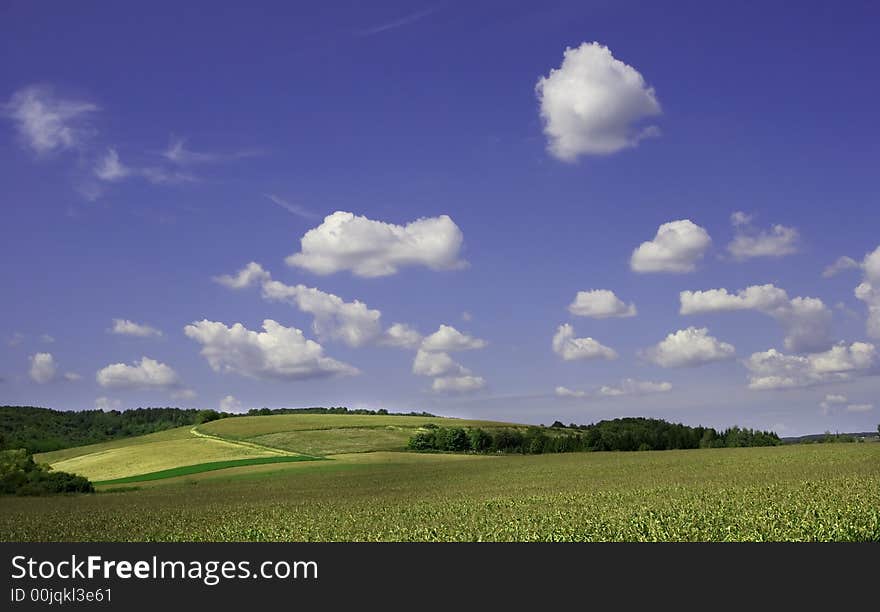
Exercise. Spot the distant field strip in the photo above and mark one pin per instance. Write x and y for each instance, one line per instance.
(186, 470)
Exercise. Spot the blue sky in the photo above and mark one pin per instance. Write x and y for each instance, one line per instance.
(148, 153)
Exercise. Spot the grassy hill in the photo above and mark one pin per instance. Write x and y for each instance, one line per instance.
(241, 441)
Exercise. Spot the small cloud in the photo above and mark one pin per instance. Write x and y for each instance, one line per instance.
(184, 394)
(72, 376)
(566, 392)
(594, 104)
(144, 374)
(689, 348)
(109, 168)
(124, 327)
(676, 248)
(230, 404)
(749, 243)
(295, 209)
(370, 248)
(860, 408)
(177, 153)
(739, 218)
(841, 264)
(46, 339)
(570, 348)
(466, 316)
(458, 384)
(397, 23)
(600, 304)
(42, 368)
(15, 339)
(47, 123)
(106, 404)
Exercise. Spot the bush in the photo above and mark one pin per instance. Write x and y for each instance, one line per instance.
(21, 475)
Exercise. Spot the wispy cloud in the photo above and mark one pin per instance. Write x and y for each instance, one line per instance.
(47, 123)
(295, 209)
(398, 23)
(177, 153)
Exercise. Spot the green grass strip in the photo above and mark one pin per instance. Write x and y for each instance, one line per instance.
(186, 470)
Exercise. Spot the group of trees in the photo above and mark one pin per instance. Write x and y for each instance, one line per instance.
(627, 434)
(21, 475)
(41, 430)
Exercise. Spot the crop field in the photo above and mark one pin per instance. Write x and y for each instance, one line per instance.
(797, 492)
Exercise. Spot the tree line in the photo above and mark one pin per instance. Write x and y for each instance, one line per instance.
(39, 430)
(625, 434)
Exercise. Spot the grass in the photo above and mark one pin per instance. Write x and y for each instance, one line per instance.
(799, 492)
(188, 470)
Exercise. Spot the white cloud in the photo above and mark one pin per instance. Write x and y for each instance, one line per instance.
(774, 370)
(368, 248)
(106, 404)
(566, 392)
(688, 348)
(47, 123)
(748, 243)
(334, 319)
(72, 376)
(593, 104)
(402, 336)
(432, 359)
(739, 218)
(630, 386)
(600, 304)
(806, 321)
(124, 327)
(110, 168)
(466, 316)
(841, 264)
(427, 363)
(184, 394)
(869, 291)
(15, 339)
(42, 367)
(458, 384)
(278, 352)
(570, 348)
(447, 338)
(247, 276)
(144, 374)
(353, 323)
(230, 404)
(860, 408)
(677, 248)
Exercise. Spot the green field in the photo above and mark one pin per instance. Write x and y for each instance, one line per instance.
(797, 492)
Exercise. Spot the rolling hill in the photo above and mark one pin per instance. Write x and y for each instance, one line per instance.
(245, 441)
